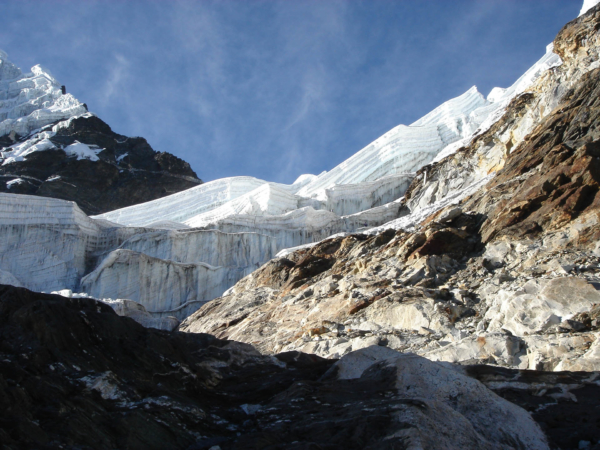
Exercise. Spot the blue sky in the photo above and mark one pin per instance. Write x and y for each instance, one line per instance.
(275, 89)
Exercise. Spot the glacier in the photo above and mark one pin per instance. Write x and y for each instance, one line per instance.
(29, 101)
(174, 254)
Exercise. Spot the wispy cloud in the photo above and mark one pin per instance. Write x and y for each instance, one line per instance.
(118, 74)
(274, 88)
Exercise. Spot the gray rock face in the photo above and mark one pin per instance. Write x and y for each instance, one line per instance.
(447, 393)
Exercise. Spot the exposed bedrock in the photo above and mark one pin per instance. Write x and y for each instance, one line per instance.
(74, 374)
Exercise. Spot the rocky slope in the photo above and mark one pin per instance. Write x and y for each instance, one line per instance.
(496, 258)
(75, 375)
(52, 147)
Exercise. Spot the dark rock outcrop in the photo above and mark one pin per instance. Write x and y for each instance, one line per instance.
(73, 374)
(128, 172)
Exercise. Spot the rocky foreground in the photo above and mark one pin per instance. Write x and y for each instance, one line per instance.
(73, 374)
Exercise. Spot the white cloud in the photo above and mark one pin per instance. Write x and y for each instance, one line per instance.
(118, 74)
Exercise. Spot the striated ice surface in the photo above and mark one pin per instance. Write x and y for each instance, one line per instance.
(187, 204)
(405, 148)
(209, 246)
(171, 255)
(29, 101)
(160, 285)
(45, 241)
(346, 199)
(268, 199)
(9, 278)
(51, 244)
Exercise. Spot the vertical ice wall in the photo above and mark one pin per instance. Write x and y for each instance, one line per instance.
(161, 286)
(44, 241)
(174, 272)
(156, 256)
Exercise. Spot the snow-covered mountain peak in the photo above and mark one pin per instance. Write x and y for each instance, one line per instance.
(29, 101)
(40, 71)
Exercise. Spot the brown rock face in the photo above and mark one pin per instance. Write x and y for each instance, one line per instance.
(129, 170)
(561, 159)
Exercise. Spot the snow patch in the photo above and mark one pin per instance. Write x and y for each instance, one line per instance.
(14, 182)
(587, 5)
(38, 143)
(83, 151)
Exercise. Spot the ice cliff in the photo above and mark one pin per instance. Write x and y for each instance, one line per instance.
(177, 252)
(29, 101)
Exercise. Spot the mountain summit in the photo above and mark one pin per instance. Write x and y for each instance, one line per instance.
(52, 146)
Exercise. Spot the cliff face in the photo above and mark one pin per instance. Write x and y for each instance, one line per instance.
(496, 259)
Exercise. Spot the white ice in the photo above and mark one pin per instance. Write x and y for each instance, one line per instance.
(173, 254)
(587, 5)
(29, 101)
